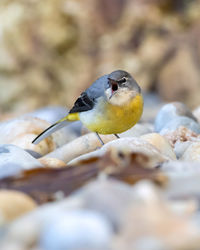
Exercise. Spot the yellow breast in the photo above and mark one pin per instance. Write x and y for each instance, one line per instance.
(112, 119)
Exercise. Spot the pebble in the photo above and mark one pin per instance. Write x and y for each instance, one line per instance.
(177, 122)
(14, 204)
(112, 200)
(154, 220)
(22, 131)
(52, 163)
(192, 153)
(183, 181)
(170, 111)
(14, 159)
(160, 143)
(127, 146)
(138, 130)
(77, 229)
(180, 147)
(196, 113)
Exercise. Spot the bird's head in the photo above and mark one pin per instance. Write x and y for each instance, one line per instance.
(121, 88)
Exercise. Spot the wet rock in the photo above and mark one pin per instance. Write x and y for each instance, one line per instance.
(77, 229)
(14, 204)
(160, 143)
(14, 159)
(170, 111)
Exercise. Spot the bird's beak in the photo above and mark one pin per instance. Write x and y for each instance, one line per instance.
(113, 84)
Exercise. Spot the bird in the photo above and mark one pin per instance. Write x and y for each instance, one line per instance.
(111, 105)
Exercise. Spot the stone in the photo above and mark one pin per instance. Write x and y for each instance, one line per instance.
(137, 130)
(181, 121)
(160, 143)
(170, 111)
(155, 223)
(52, 163)
(181, 134)
(14, 204)
(192, 153)
(196, 113)
(22, 131)
(180, 147)
(112, 200)
(127, 146)
(77, 229)
(14, 159)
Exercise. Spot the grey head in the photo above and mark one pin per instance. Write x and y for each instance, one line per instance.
(122, 79)
(121, 87)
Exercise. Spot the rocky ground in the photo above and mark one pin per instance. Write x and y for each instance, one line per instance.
(138, 192)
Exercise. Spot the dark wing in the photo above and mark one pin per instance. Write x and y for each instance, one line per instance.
(87, 99)
(83, 103)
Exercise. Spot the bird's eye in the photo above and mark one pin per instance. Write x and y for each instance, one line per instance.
(123, 80)
(114, 87)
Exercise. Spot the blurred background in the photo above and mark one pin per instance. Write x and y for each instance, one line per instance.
(52, 50)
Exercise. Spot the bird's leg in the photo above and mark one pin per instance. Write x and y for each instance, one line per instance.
(117, 135)
(102, 143)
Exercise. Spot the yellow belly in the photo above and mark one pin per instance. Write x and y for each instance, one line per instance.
(115, 119)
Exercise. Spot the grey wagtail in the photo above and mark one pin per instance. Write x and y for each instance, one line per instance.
(111, 105)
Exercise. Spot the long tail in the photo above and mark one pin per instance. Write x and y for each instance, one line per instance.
(56, 126)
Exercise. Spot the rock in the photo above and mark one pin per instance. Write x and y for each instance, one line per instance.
(192, 153)
(13, 246)
(52, 163)
(196, 113)
(22, 131)
(137, 130)
(170, 111)
(14, 159)
(181, 134)
(183, 180)
(76, 230)
(127, 146)
(180, 147)
(156, 224)
(179, 169)
(181, 121)
(112, 200)
(14, 204)
(160, 143)
(31, 224)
